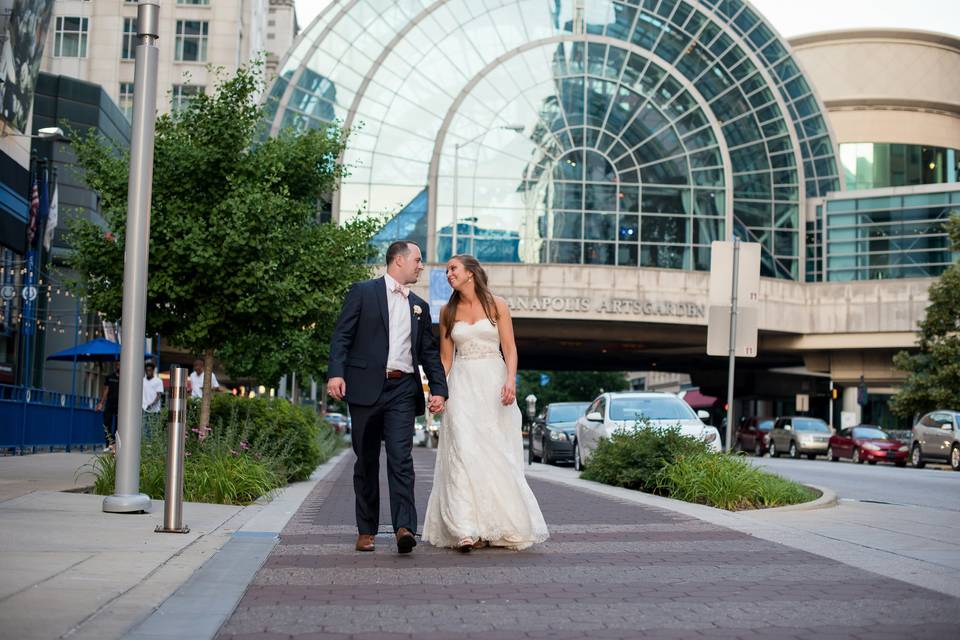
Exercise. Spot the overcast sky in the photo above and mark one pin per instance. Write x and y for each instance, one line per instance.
(793, 17)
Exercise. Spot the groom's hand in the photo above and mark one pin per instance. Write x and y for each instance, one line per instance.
(435, 404)
(337, 388)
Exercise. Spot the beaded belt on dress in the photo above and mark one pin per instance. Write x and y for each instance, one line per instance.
(477, 351)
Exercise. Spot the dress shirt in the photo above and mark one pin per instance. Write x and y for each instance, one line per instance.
(152, 393)
(400, 352)
(196, 383)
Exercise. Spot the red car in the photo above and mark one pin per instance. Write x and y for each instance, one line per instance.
(867, 443)
(752, 435)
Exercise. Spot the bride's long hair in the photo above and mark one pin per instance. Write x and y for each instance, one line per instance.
(472, 265)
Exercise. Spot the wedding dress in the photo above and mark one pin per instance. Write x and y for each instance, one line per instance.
(479, 490)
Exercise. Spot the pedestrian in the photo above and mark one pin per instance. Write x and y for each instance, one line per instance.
(195, 380)
(381, 339)
(152, 389)
(110, 405)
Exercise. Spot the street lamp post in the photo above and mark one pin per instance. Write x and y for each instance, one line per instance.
(517, 128)
(531, 411)
(127, 497)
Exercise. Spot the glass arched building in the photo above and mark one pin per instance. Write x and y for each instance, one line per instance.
(629, 132)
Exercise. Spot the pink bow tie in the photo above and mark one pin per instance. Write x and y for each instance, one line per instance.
(402, 290)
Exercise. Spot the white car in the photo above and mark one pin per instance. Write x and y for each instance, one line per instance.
(613, 411)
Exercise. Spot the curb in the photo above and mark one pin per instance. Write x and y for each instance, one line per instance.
(827, 499)
(200, 606)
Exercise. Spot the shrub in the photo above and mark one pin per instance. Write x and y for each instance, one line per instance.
(727, 482)
(632, 459)
(664, 462)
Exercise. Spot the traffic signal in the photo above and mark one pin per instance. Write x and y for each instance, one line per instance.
(834, 394)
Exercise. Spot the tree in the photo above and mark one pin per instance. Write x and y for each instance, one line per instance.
(567, 386)
(933, 371)
(239, 266)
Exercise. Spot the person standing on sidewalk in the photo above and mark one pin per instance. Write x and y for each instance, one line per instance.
(195, 380)
(110, 405)
(384, 333)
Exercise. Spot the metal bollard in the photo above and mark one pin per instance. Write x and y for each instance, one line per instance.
(173, 497)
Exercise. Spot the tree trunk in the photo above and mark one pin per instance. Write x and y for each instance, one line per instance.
(207, 389)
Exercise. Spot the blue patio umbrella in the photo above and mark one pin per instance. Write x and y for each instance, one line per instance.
(97, 350)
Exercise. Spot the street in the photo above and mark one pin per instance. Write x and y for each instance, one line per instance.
(934, 488)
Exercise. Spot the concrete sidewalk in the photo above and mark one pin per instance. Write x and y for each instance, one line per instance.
(613, 568)
(68, 570)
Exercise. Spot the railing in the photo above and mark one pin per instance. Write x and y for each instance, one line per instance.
(32, 419)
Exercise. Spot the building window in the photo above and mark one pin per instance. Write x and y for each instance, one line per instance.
(198, 2)
(71, 37)
(129, 45)
(191, 44)
(126, 100)
(182, 94)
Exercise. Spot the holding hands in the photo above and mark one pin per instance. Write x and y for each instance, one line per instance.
(435, 404)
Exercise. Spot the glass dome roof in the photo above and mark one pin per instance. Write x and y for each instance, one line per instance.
(627, 133)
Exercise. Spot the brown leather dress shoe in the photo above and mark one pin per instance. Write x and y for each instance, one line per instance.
(406, 541)
(365, 542)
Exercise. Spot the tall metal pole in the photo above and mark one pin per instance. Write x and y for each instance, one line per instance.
(733, 342)
(127, 497)
(456, 188)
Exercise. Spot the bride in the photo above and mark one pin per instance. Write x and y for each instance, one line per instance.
(480, 496)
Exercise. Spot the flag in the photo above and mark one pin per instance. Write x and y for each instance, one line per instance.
(51, 219)
(34, 213)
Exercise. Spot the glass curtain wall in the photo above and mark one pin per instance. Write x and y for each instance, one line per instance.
(870, 165)
(646, 125)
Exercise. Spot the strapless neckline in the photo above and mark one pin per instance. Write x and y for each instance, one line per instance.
(471, 324)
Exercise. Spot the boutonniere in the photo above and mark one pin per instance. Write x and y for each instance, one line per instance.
(417, 310)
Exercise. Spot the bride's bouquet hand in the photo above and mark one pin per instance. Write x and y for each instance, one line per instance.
(508, 393)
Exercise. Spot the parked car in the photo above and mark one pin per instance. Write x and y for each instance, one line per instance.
(936, 437)
(338, 421)
(613, 411)
(555, 431)
(867, 443)
(753, 434)
(799, 435)
(420, 432)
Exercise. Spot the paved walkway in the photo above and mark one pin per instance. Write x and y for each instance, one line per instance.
(612, 569)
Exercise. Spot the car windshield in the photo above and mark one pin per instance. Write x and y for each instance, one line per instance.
(653, 408)
(871, 433)
(806, 424)
(566, 412)
(766, 425)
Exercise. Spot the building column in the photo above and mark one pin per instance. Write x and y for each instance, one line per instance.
(850, 401)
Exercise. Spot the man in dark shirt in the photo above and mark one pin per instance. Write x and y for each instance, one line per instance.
(110, 404)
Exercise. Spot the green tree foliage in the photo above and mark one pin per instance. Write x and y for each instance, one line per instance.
(239, 266)
(933, 372)
(568, 386)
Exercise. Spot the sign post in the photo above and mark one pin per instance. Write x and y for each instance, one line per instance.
(732, 316)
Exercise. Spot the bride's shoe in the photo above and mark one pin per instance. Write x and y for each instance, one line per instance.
(480, 544)
(465, 545)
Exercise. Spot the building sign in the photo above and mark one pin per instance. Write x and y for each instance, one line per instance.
(609, 305)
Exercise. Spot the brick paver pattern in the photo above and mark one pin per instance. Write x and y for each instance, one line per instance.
(611, 569)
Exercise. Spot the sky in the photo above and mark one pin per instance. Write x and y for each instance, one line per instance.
(795, 17)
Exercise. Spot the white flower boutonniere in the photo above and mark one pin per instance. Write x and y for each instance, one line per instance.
(417, 310)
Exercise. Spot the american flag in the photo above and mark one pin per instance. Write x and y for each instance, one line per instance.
(34, 213)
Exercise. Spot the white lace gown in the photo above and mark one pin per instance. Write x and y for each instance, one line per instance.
(479, 490)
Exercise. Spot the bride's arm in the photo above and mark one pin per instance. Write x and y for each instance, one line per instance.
(446, 346)
(509, 347)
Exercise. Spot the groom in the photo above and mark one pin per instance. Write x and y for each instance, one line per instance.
(383, 334)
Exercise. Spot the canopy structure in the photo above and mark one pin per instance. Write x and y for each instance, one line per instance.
(97, 350)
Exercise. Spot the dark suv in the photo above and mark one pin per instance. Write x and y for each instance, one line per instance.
(555, 431)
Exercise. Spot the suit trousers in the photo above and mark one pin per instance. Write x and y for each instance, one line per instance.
(390, 420)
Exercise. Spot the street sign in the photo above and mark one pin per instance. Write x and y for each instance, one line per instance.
(803, 403)
(748, 299)
(29, 293)
(848, 419)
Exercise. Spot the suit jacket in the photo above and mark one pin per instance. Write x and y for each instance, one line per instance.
(361, 340)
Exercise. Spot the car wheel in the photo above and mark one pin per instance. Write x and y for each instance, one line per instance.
(793, 451)
(774, 452)
(901, 463)
(758, 450)
(547, 459)
(955, 457)
(871, 462)
(811, 456)
(916, 457)
(577, 460)
(736, 446)
(830, 455)
(856, 456)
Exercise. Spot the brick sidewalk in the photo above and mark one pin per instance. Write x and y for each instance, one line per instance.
(611, 569)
